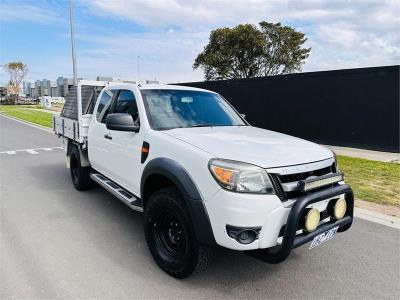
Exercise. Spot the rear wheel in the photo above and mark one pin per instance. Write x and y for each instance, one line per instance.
(80, 175)
(170, 235)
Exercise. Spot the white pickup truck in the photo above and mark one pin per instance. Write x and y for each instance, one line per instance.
(201, 174)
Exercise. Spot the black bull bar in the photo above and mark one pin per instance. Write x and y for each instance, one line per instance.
(290, 240)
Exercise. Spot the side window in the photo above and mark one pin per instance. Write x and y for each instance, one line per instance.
(126, 103)
(104, 106)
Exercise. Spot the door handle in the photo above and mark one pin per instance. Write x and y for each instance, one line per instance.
(108, 137)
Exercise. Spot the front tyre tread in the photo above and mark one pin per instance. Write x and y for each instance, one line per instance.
(196, 257)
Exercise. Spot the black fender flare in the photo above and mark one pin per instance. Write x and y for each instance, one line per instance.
(178, 175)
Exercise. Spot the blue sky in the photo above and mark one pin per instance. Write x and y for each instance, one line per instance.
(168, 34)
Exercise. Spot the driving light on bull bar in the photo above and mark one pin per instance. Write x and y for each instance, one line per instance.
(312, 220)
(339, 209)
(314, 183)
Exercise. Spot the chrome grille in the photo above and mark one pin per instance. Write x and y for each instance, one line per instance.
(286, 179)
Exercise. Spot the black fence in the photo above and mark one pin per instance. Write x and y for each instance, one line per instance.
(355, 107)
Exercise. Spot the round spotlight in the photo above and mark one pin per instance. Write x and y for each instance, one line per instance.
(312, 220)
(247, 236)
(339, 209)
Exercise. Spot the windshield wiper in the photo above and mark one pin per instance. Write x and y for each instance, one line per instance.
(203, 125)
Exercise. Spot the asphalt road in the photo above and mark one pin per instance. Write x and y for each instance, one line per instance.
(60, 243)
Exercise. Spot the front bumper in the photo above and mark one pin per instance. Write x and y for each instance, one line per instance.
(290, 240)
(271, 215)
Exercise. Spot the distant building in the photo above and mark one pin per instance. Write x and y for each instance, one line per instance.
(104, 78)
(32, 91)
(58, 88)
(28, 88)
(53, 89)
(60, 85)
(46, 87)
(25, 87)
(3, 91)
(38, 89)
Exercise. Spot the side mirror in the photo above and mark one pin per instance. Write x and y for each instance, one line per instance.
(243, 116)
(121, 122)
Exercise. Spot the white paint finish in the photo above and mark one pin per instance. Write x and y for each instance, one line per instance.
(126, 158)
(246, 210)
(253, 145)
(303, 167)
(100, 149)
(192, 159)
(192, 148)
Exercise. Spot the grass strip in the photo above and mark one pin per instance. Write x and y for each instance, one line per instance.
(373, 181)
(27, 114)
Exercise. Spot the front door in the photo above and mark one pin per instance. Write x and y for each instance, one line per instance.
(99, 138)
(126, 146)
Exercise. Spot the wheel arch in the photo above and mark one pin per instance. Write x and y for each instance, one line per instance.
(83, 154)
(161, 172)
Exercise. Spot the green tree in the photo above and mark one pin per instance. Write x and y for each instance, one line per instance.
(16, 71)
(247, 51)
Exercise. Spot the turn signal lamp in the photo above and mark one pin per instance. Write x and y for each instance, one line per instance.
(144, 151)
(223, 175)
(312, 220)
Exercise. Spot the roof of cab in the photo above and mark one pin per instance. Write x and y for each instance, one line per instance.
(154, 86)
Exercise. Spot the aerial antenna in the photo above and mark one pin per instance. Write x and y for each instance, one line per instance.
(71, 22)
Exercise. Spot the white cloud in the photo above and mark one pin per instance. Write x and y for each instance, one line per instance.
(14, 12)
(156, 13)
(167, 56)
(341, 33)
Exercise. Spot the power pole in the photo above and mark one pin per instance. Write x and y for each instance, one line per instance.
(138, 68)
(71, 22)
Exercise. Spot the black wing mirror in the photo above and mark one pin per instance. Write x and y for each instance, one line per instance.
(121, 122)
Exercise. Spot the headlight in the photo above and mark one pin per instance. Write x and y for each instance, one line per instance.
(336, 163)
(240, 177)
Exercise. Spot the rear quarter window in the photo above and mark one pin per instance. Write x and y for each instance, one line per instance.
(104, 106)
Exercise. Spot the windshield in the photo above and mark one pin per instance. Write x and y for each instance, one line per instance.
(167, 109)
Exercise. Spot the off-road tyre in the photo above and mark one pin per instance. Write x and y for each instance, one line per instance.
(170, 235)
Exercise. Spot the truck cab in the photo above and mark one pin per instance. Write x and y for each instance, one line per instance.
(202, 175)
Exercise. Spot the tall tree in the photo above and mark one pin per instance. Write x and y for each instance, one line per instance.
(17, 72)
(247, 51)
(283, 49)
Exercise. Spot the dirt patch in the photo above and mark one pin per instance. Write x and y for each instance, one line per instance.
(389, 210)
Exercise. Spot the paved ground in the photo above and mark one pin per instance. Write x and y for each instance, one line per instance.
(56, 242)
(367, 154)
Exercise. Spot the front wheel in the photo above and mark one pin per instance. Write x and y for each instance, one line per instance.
(170, 235)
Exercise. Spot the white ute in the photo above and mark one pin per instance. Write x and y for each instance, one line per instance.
(202, 176)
